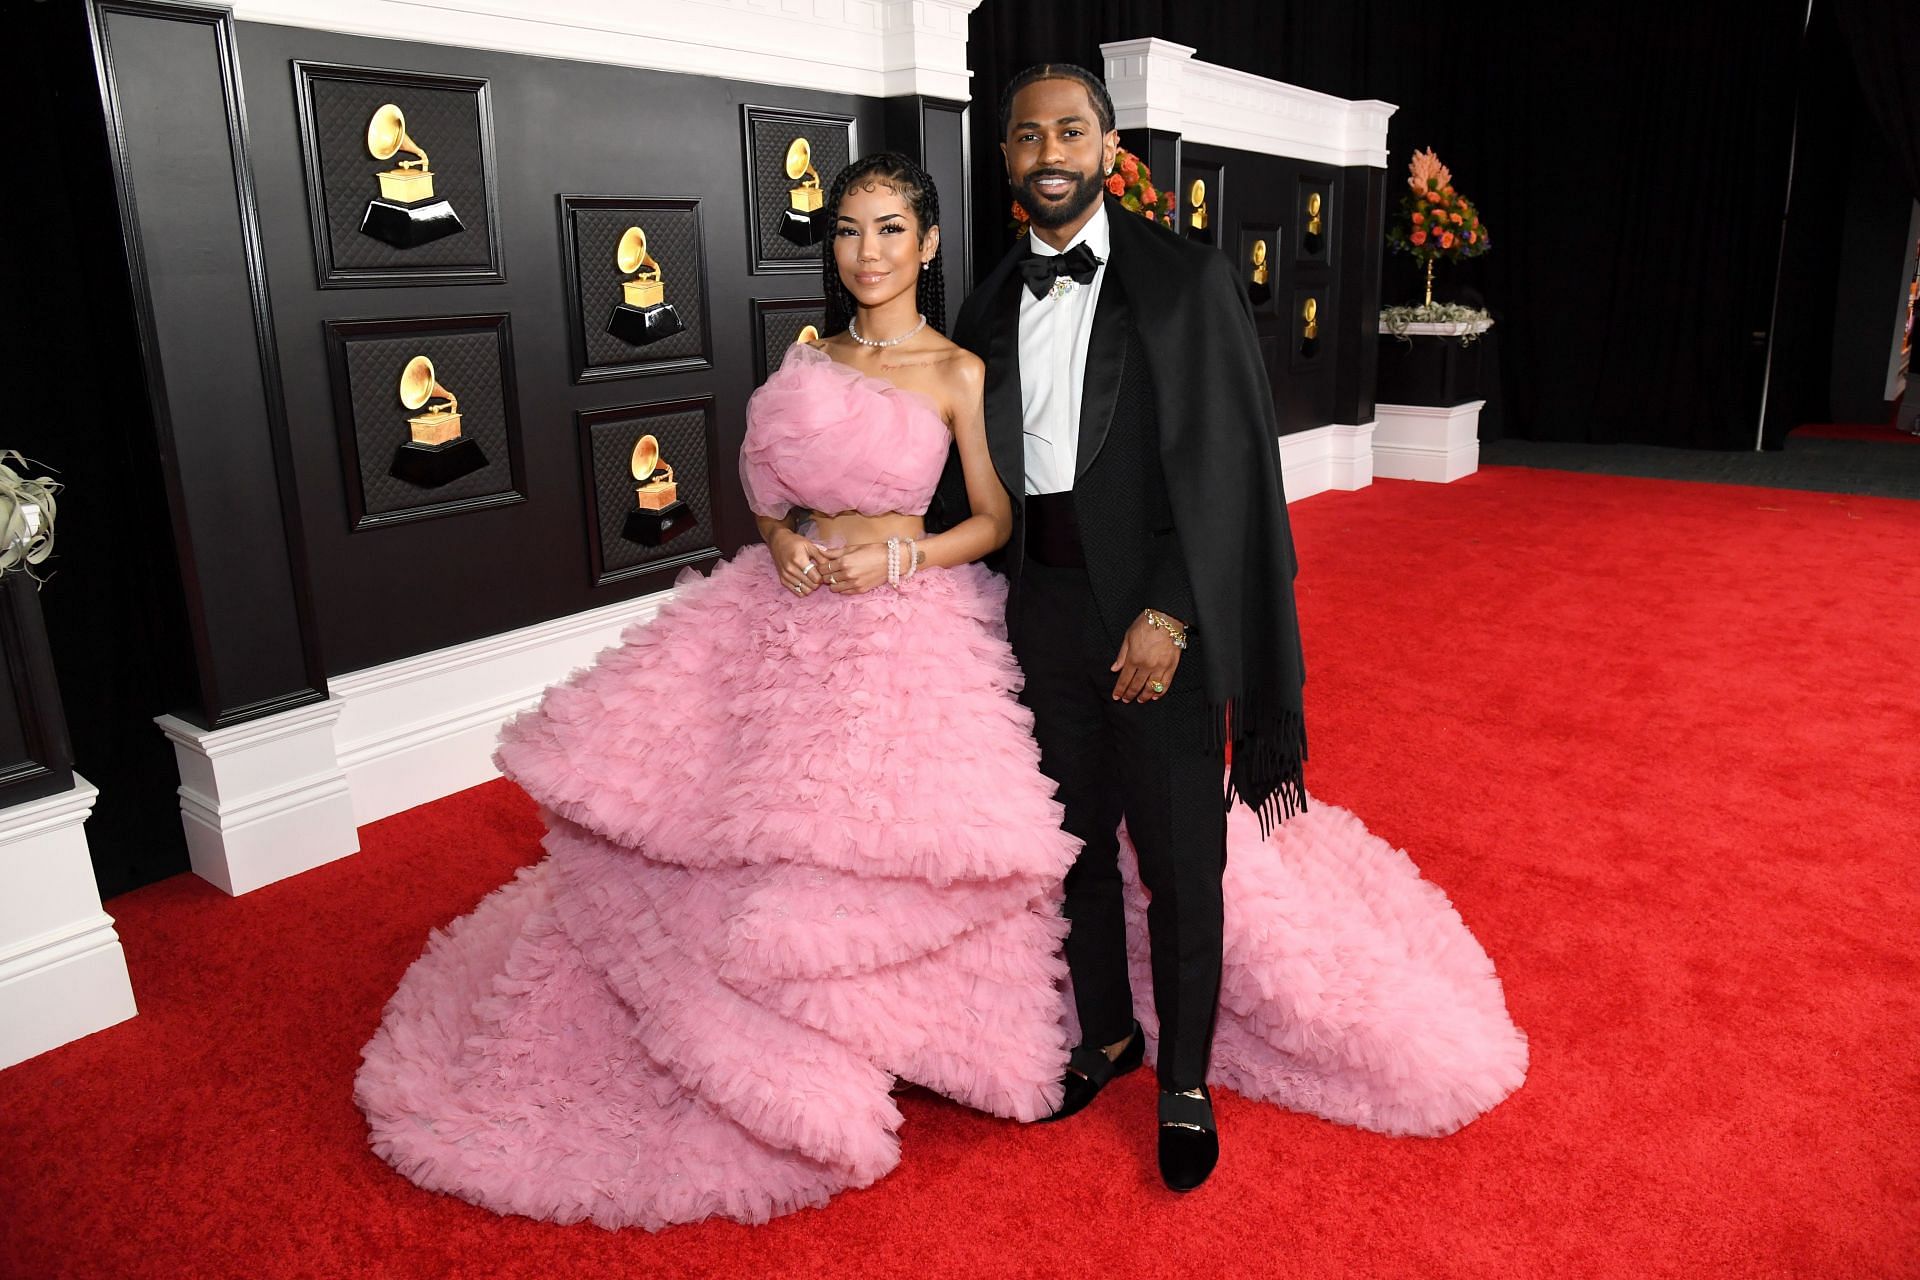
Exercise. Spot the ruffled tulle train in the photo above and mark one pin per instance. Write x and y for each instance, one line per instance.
(798, 847)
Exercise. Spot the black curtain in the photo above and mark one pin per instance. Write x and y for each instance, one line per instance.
(1631, 160)
(1884, 38)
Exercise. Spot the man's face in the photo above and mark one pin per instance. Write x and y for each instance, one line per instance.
(1057, 158)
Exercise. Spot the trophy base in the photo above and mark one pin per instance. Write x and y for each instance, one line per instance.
(640, 325)
(801, 228)
(1202, 235)
(431, 465)
(1259, 294)
(657, 528)
(1310, 244)
(407, 226)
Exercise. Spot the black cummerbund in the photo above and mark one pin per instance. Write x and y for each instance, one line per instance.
(1053, 531)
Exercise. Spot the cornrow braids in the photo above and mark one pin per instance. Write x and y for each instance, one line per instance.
(1096, 91)
(890, 169)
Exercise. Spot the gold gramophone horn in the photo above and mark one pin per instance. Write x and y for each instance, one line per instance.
(632, 254)
(646, 460)
(1310, 312)
(387, 135)
(1313, 214)
(417, 386)
(808, 333)
(800, 163)
(1197, 202)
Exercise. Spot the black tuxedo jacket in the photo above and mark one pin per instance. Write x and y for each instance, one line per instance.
(1133, 551)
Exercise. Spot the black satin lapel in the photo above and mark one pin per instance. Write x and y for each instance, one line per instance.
(1005, 407)
(1106, 358)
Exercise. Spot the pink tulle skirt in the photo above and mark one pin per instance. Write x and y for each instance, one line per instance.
(798, 847)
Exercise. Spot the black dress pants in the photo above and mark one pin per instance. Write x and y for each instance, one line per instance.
(1146, 762)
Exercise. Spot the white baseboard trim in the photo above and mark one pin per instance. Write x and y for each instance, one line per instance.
(63, 973)
(1435, 443)
(423, 727)
(265, 799)
(1336, 456)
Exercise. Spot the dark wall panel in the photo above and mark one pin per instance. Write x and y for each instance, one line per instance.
(559, 127)
(185, 209)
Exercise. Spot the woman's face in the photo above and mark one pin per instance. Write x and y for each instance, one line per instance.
(877, 243)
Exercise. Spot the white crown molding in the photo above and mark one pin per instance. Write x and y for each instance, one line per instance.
(1156, 84)
(872, 48)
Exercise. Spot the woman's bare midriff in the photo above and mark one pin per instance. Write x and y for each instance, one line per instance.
(851, 529)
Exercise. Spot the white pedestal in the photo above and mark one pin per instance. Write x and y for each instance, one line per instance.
(263, 800)
(1426, 442)
(63, 974)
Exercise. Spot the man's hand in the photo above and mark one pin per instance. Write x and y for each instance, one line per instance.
(1147, 655)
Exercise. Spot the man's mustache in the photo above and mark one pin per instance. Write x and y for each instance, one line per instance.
(1038, 174)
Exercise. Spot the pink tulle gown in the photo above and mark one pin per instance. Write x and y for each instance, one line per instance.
(798, 846)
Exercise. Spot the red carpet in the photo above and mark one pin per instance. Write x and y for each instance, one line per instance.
(1661, 743)
(1854, 431)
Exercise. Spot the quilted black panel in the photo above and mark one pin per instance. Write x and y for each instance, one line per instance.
(673, 238)
(769, 134)
(468, 365)
(683, 440)
(778, 329)
(446, 123)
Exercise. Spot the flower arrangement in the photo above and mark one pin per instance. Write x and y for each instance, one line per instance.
(1438, 225)
(26, 514)
(1132, 181)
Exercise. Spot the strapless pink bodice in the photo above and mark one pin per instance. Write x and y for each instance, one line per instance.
(829, 438)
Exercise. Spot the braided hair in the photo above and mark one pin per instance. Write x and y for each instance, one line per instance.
(887, 169)
(1096, 91)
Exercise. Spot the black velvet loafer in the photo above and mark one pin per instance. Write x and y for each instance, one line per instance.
(1189, 1141)
(1089, 1070)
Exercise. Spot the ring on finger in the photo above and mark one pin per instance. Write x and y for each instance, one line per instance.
(1158, 686)
(808, 568)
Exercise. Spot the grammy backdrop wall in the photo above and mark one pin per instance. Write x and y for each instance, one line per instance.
(628, 228)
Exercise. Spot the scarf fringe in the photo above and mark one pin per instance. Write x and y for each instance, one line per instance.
(1268, 738)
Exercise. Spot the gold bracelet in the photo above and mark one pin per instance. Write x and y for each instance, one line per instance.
(1175, 632)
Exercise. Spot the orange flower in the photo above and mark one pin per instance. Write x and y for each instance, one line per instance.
(1446, 239)
(1116, 184)
(1129, 166)
(1019, 214)
(1147, 195)
(1456, 218)
(1419, 218)
(1418, 237)
(1147, 213)
(1473, 237)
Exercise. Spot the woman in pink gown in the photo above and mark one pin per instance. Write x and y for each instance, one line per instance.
(799, 845)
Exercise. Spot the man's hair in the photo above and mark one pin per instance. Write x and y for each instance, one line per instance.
(1096, 91)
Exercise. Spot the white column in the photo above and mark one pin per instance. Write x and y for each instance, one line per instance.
(63, 974)
(264, 799)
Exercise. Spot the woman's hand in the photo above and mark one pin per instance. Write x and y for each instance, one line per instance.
(853, 570)
(800, 562)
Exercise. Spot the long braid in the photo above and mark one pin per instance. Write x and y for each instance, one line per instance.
(916, 188)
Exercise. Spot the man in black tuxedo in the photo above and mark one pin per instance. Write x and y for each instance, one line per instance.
(1150, 577)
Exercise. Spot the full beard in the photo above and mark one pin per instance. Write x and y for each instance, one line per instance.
(1050, 214)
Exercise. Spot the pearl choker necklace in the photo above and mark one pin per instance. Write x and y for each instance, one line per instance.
(853, 329)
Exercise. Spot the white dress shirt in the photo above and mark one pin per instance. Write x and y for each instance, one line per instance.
(1054, 332)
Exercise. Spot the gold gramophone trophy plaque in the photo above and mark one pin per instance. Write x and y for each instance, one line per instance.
(1199, 217)
(1310, 328)
(436, 451)
(800, 223)
(658, 516)
(1310, 238)
(1259, 275)
(643, 313)
(406, 213)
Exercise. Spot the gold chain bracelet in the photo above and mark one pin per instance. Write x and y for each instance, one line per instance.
(1175, 632)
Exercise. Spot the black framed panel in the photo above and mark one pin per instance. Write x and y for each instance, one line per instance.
(778, 323)
(1203, 202)
(401, 180)
(36, 758)
(1309, 341)
(1257, 264)
(1313, 219)
(647, 317)
(657, 522)
(782, 234)
(428, 416)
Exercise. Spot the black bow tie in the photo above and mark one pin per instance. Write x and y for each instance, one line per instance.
(1041, 269)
